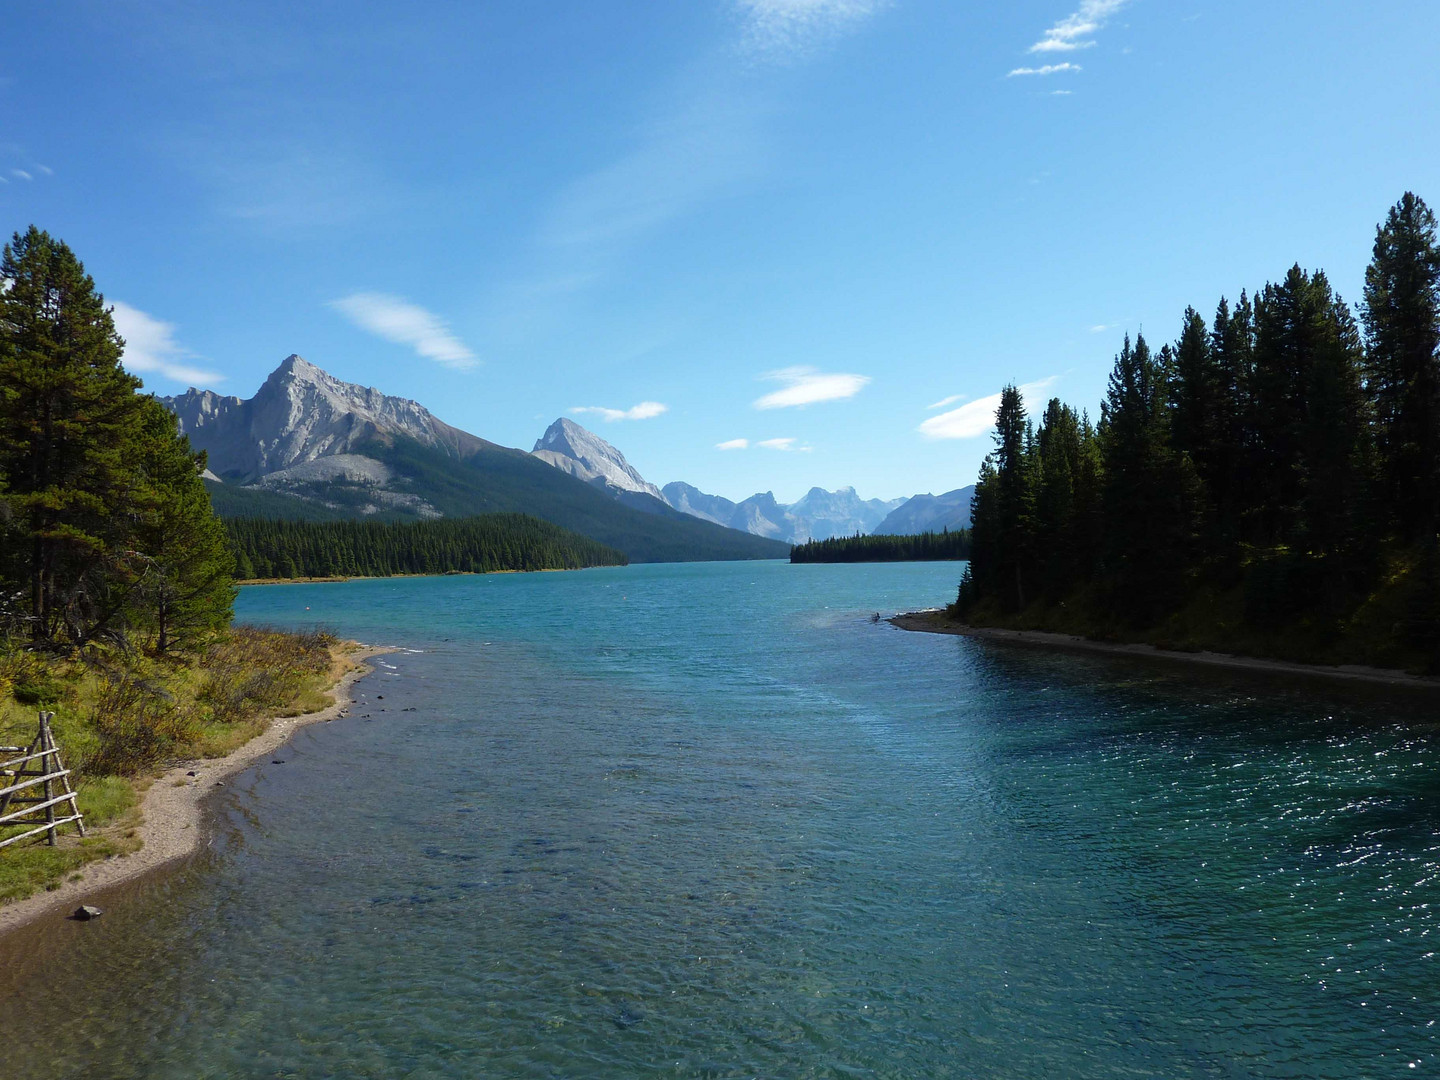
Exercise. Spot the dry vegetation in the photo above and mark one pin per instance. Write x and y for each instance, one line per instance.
(121, 718)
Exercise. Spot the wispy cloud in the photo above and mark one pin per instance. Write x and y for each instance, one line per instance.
(797, 26)
(150, 347)
(945, 401)
(1048, 69)
(807, 386)
(1077, 30)
(1100, 328)
(785, 445)
(702, 150)
(404, 323)
(975, 417)
(781, 444)
(21, 174)
(644, 411)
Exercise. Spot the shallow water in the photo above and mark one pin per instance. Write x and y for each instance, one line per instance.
(710, 820)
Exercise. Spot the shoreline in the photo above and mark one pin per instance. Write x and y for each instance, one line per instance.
(934, 621)
(172, 813)
(340, 580)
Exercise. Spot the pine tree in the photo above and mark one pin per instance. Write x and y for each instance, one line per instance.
(1013, 498)
(1150, 492)
(187, 588)
(1402, 323)
(68, 415)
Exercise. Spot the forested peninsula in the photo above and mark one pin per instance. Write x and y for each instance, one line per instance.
(1267, 484)
(477, 545)
(924, 547)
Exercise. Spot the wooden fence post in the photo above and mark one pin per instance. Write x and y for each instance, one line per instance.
(39, 765)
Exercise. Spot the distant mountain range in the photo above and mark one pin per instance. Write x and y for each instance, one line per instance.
(819, 515)
(930, 513)
(309, 445)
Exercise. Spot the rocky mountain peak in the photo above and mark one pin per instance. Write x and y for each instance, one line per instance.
(302, 413)
(583, 454)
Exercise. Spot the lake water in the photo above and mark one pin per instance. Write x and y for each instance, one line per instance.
(711, 821)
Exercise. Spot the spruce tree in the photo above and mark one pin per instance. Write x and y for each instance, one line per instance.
(1402, 323)
(1013, 497)
(69, 415)
(186, 588)
(1150, 492)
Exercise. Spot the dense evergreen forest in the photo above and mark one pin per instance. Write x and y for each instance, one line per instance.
(926, 547)
(1269, 482)
(488, 542)
(106, 530)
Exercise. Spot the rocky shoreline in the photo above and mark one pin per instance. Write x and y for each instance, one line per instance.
(172, 809)
(936, 621)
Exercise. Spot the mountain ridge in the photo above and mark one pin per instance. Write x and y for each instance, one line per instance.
(309, 445)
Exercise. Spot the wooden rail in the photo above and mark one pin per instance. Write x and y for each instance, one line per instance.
(40, 767)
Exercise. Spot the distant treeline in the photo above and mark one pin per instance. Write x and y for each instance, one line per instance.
(926, 547)
(1268, 481)
(488, 542)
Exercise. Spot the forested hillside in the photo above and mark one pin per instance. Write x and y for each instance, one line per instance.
(881, 548)
(291, 549)
(1268, 482)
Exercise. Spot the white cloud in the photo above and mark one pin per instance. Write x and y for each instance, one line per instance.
(807, 386)
(945, 401)
(733, 444)
(777, 444)
(644, 411)
(150, 346)
(788, 26)
(1048, 69)
(975, 417)
(1077, 30)
(1100, 328)
(405, 323)
(22, 174)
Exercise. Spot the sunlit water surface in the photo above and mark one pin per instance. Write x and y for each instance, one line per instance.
(711, 820)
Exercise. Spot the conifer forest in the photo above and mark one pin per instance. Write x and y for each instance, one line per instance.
(1269, 480)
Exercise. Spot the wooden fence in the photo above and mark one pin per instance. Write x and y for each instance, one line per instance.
(33, 779)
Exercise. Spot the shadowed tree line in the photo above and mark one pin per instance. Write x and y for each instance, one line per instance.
(1274, 471)
(480, 544)
(923, 547)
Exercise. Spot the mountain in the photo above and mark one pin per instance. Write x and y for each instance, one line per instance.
(691, 500)
(839, 513)
(819, 515)
(930, 513)
(584, 455)
(311, 446)
(301, 414)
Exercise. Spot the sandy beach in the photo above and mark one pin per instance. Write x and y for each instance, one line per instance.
(936, 621)
(173, 817)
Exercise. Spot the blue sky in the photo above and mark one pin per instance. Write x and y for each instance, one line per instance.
(828, 229)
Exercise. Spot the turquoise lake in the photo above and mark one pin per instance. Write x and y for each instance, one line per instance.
(710, 820)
